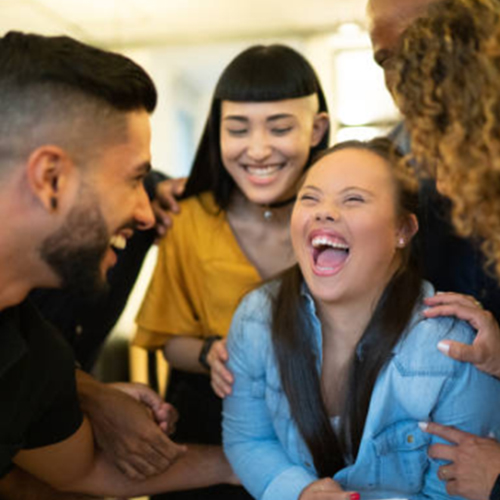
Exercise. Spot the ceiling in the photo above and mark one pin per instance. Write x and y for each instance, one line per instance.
(128, 23)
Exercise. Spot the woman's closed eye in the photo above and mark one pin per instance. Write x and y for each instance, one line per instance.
(237, 131)
(308, 197)
(354, 199)
(281, 130)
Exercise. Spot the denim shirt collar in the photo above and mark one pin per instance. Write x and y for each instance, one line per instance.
(427, 290)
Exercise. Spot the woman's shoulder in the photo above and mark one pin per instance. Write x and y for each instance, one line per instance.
(254, 313)
(200, 208)
(418, 352)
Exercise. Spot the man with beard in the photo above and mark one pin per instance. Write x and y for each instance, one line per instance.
(74, 150)
(453, 264)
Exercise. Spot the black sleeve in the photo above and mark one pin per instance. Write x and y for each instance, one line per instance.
(56, 413)
(495, 492)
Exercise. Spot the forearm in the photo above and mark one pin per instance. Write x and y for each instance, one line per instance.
(201, 466)
(19, 485)
(90, 391)
(182, 353)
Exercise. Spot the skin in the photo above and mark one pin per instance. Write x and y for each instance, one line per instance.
(388, 19)
(115, 176)
(266, 135)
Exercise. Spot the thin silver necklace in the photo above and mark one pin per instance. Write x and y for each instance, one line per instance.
(268, 209)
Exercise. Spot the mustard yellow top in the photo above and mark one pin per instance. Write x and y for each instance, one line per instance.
(200, 276)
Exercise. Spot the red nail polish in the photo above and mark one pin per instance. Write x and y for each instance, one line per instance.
(355, 496)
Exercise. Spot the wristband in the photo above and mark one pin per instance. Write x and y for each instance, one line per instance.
(495, 492)
(207, 344)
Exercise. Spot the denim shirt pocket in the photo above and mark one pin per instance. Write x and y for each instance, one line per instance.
(402, 460)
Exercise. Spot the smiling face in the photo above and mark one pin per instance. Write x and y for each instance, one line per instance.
(265, 145)
(109, 204)
(345, 231)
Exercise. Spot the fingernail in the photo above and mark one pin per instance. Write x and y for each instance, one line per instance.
(354, 496)
(439, 293)
(444, 347)
(423, 426)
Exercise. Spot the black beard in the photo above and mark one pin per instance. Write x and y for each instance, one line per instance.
(75, 251)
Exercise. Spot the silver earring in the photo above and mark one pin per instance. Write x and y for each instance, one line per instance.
(402, 242)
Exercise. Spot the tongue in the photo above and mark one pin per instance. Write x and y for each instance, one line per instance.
(331, 258)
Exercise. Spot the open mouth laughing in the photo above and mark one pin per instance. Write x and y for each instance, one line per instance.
(329, 252)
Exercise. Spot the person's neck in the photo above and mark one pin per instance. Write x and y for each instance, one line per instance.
(20, 268)
(344, 322)
(278, 212)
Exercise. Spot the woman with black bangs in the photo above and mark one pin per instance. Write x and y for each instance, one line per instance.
(268, 117)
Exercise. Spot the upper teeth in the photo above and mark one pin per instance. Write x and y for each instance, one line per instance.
(321, 241)
(118, 241)
(263, 171)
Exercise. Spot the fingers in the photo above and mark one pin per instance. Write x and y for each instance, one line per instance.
(447, 433)
(221, 378)
(472, 314)
(220, 386)
(462, 352)
(452, 297)
(447, 472)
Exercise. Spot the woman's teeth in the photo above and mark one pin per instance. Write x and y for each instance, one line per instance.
(263, 171)
(118, 241)
(322, 241)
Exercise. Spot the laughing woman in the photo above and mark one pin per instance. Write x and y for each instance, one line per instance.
(268, 117)
(334, 365)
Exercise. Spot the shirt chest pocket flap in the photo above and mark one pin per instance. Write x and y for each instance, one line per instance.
(401, 451)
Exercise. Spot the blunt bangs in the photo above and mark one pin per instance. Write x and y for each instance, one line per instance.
(267, 73)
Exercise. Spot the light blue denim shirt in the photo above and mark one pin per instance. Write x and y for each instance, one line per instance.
(419, 383)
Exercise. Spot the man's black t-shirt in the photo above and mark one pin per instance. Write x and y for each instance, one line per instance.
(38, 399)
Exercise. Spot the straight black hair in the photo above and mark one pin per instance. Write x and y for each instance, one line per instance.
(293, 344)
(259, 74)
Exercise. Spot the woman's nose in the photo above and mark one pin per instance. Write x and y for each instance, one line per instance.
(259, 147)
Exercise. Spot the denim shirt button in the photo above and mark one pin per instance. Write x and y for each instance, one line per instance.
(307, 464)
(410, 438)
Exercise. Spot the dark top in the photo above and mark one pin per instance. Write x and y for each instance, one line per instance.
(86, 323)
(450, 263)
(38, 400)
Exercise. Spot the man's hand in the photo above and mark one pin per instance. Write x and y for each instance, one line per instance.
(125, 430)
(475, 462)
(165, 203)
(484, 353)
(221, 377)
(327, 489)
(164, 413)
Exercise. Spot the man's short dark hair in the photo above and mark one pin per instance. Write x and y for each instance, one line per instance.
(57, 89)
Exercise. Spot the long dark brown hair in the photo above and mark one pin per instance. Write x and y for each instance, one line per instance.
(293, 344)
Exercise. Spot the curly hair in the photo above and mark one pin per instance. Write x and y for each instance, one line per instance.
(447, 85)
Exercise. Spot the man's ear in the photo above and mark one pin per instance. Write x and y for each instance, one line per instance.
(407, 230)
(47, 172)
(320, 126)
